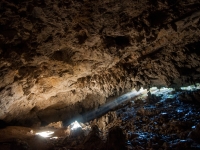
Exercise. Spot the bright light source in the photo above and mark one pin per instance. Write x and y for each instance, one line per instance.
(45, 133)
(55, 137)
(189, 88)
(161, 91)
(142, 90)
(75, 125)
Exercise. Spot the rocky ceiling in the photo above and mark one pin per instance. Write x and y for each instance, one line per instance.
(61, 58)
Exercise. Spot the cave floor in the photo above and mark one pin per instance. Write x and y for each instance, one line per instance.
(153, 123)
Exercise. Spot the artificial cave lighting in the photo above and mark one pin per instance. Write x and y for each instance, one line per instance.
(45, 133)
(75, 125)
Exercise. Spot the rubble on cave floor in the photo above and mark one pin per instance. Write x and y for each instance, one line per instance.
(155, 122)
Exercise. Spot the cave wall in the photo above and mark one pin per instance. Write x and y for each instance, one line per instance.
(62, 58)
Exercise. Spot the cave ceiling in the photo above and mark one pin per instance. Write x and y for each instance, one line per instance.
(63, 57)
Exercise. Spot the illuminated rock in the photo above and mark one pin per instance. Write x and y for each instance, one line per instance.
(61, 59)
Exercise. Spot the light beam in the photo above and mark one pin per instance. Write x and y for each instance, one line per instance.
(45, 133)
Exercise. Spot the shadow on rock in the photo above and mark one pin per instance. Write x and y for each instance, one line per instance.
(116, 139)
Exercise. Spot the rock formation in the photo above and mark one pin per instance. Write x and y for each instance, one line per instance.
(59, 58)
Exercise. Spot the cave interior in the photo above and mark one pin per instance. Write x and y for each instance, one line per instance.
(99, 75)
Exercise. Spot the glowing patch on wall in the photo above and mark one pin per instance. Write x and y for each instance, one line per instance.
(161, 91)
(45, 133)
(75, 125)
(55, 137)
(191, 87)
(141, 94)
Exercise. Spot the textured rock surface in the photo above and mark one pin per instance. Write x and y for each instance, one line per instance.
(62, 58)
(155, 122)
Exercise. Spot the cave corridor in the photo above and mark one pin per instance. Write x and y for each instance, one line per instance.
(99, 75)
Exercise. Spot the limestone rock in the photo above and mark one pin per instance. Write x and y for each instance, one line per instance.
(60, 59)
